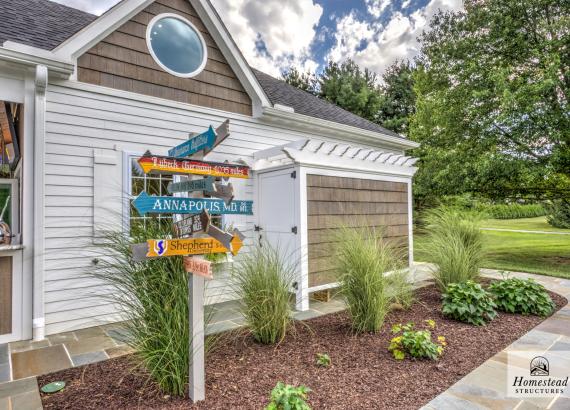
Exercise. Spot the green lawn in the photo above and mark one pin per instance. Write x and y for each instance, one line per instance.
(524, 252)
(524, 224)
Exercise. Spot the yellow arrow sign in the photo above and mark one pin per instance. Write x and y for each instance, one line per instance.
(193, 246)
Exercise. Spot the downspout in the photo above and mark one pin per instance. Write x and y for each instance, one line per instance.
(41, 82)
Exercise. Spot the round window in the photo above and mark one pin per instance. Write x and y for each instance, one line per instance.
(176, 45)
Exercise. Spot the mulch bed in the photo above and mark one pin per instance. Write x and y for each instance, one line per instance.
(363, 374)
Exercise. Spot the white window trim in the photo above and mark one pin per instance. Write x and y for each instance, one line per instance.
(193, 27)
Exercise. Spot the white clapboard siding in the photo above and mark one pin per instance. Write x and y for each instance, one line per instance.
(81, 123)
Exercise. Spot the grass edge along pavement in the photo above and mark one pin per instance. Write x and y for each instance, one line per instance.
(541, 254)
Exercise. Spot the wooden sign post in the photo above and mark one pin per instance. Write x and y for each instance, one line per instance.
(189, 200)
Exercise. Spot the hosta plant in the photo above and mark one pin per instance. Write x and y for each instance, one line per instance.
(286, 397)
(468, 302)
(416, 343)
(528, 297)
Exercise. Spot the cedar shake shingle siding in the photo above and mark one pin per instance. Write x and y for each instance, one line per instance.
(337, 201)
(122, 61)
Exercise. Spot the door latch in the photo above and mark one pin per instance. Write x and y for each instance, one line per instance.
(294, 230)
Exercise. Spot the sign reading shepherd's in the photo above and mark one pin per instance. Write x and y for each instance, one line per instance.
(169, 165)
(145, 204)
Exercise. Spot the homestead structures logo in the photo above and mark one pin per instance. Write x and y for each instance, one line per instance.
(541, 377)
(539, 366)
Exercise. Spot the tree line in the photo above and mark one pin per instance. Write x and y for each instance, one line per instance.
(487, 98)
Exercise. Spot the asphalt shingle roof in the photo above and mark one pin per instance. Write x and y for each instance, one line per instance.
(46, 24)
(303, 102)
(40, 23)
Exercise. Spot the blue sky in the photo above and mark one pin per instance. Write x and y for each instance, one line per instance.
(276, 34)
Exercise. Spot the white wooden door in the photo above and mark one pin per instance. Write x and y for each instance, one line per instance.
(277, 210)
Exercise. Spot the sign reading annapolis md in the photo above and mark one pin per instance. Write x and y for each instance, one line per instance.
(147, 204)
(170, 165)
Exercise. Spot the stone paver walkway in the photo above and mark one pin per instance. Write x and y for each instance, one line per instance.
(485, 387)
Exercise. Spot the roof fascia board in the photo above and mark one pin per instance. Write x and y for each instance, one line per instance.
(336, 129)
(231, 51)
(86, 38)
(22, 54)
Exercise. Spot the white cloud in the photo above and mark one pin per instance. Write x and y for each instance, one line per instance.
(286, 28)
(376, 7)
(385, 44)
(97, 7)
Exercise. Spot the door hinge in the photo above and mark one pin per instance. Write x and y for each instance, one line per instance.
(294, 174)
(294, 230)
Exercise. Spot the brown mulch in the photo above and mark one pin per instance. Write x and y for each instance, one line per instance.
(363, 374)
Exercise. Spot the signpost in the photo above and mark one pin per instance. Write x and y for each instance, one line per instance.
(202, 142)
(177, 166)
(193, 224)
(198, 222)
(204, 184)
(198, 267)
(207, 185)
(147, 204)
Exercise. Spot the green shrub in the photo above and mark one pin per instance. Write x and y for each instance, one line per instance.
(323, 360)
(511, 211)
(559, 214)
(468, 302)
(455, 244)
(153, 299)
(361, 258)
(416, 343)
(262, 280)
(522, 296)
(286, 397)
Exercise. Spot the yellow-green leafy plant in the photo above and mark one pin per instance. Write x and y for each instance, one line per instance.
(416, 343)
(286, 397)
(323, 360)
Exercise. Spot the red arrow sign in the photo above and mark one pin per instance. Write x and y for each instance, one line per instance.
(198, 267)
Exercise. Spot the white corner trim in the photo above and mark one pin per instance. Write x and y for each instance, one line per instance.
(86, 38)
(31, 56)
(313, 124)
(38, 298)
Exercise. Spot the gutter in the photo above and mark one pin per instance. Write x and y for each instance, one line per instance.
(330, 127)
(21, 54)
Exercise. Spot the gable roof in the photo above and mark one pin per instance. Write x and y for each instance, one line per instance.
(40, 23)
(45, 24)
(303, 102)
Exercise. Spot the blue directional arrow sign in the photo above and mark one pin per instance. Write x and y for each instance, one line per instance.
(200, 142)
(147, 204)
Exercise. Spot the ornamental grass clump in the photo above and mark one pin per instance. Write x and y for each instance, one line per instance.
(455, 245)
(527, 297)
(262, 280)
(361, 258)
(152, 297)
(468, 302)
